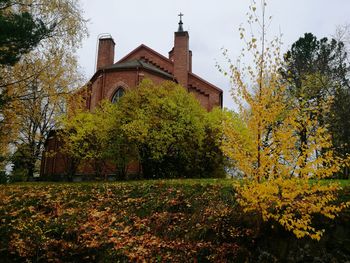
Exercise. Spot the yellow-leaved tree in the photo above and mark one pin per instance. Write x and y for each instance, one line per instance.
(281, 174)
(34, 87)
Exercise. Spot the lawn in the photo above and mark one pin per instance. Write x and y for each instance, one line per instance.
(191, 220)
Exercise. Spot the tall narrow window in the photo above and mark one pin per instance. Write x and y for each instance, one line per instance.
(117, 95)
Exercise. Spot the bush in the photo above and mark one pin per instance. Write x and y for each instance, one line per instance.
(173, 135)
(4, 178)
(163, 127)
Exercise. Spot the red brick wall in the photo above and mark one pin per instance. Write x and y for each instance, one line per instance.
(149, 56)
(181, 57)
(53, 161)
(103, 87)
(202, 98)
(56, 163)
(209, 96)
(107, 83)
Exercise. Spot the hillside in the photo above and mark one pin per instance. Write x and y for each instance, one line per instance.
(151, 221)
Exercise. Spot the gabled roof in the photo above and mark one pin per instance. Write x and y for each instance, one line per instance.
(149, 59)
(142, 49)
(148, 50)
(199, 79)
(138, 63)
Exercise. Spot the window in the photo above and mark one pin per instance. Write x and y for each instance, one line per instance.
(117, 95)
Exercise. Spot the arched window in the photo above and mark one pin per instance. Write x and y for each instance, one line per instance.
(117, 95)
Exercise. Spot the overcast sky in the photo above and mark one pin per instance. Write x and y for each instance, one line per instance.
(211, 26)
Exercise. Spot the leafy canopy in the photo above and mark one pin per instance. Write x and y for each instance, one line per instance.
(316, 72)
(170, 130)
(262, 141)
(38, 40)
(161, 126)
(20, 33)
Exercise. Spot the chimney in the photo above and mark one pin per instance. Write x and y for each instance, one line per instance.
(105, 55)
(181, 55)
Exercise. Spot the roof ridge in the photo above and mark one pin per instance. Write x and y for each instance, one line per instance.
(205, 81)
(138, 63)
(164, 58)
(142, 62)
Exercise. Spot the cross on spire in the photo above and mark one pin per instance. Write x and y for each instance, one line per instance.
(180, 29)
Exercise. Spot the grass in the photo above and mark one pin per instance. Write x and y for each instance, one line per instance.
(169, 182)
(343, 182)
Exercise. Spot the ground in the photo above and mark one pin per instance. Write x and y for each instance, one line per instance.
(155, 221)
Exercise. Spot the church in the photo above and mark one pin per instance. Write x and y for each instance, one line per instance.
(112, 79)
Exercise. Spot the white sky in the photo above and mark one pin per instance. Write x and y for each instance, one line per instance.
(211, 25)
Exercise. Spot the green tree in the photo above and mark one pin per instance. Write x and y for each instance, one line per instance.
(339, 125)
(27, 25)
(170, 130)
(33, 89)
(34, 115)
(317, 71)
(85, 141)
(308, 55)
(212, 161)
(22, 160)
(162, 127)
(121, 151)
(20, 32)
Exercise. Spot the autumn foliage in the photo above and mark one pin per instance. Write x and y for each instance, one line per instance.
(138, 222)
(279, 145)
(145, 221)
(37, 70)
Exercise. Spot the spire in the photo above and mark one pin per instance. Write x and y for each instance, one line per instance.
(180, 55)
(180, 29)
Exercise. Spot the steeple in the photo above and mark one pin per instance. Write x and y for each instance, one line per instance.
(180, 29)
(181, 55)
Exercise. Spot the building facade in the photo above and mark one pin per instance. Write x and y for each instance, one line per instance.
(112, 79)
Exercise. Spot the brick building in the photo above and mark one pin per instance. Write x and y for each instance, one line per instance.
(111, 80)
